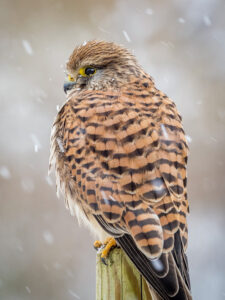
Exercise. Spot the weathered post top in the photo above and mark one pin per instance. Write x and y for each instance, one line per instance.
(119, 280)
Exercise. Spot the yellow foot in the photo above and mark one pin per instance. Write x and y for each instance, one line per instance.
(97, 245)
(105, 248)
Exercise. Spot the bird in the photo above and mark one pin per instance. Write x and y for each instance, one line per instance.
(120, 155)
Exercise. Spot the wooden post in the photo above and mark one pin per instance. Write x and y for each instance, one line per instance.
(119, 280)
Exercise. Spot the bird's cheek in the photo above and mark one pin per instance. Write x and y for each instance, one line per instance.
(82, 82)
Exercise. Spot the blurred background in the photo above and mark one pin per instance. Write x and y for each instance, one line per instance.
(44, 254)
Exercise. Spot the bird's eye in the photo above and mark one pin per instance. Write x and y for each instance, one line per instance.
(70, 78)
(87, 71)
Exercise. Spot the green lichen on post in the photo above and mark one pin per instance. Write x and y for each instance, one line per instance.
(119, 280)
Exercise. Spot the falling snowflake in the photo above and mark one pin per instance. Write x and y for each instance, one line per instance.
(213, 139)
(126, 36)
(207, 21)
(56, 265)
(36, 142)
(27, 185)
(4, 172)
(181, 20)
(28, 289)
(73, 294)
(49, 180)
(48, 237)
(27, 47)
(188, 138)
(164, 132)
(149, 11)
(103, 30)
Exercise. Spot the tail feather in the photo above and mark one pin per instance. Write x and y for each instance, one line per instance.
(162, 274)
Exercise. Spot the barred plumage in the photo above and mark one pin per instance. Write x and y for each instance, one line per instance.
(120, 153)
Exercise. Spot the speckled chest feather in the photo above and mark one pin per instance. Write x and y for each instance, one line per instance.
(122, 155)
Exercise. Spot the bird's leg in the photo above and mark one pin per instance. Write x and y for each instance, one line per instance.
(105, 247)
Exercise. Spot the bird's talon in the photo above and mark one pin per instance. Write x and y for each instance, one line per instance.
(103, 260)
(97, 245)
(104, 248)
(109, 244)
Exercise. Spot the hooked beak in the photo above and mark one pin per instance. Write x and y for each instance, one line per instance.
(68, 86)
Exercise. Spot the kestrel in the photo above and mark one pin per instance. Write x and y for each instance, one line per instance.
(120, 155)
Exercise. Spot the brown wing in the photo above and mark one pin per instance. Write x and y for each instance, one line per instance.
(123, 158)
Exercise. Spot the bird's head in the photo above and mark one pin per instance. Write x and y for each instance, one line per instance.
(100, 65)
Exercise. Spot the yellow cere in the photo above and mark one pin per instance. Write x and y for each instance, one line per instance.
(70, 78)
